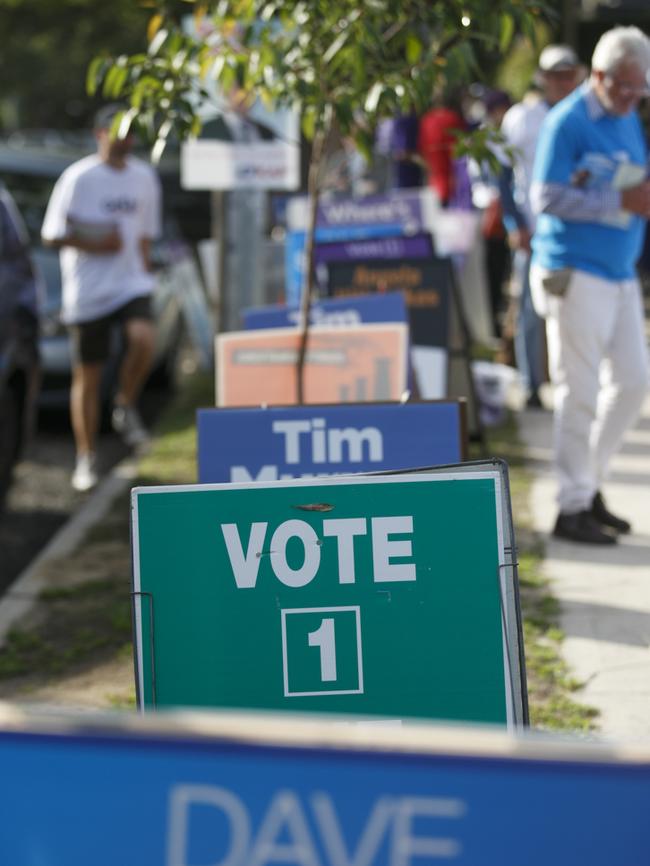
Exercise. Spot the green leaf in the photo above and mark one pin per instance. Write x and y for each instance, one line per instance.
(227, 78)
(114, 82)
(126, 121)
(309, 124)
(507, 32)
(95, 70)
(158, 149)
(158, 41)
(155, 23)
(115, 124)
(335, 47)
(218, 64)
(145, 87)
(179, 60)
(414, 48)
(373, 97)
(364, 141)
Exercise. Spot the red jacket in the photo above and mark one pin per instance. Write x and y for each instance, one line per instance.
(435, 144)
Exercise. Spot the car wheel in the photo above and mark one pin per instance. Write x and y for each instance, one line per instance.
(9, 439)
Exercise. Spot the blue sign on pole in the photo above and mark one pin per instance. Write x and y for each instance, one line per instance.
(306, 441)
(355, 310)
(241, 798)
(294, 256)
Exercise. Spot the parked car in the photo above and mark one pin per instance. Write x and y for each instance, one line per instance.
(18, 340)
(18, 391)
(29, 170)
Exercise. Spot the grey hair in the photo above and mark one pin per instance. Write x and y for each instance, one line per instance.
(621, 44)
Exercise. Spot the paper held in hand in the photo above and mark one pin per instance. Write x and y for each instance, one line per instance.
(92, 231)
(628, 174)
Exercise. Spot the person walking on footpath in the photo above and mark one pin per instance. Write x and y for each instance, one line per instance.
(592, 196)
(103, 214)
(558, 71)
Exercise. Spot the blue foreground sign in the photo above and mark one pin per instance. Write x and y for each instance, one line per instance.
(249, 792)
(306, 441)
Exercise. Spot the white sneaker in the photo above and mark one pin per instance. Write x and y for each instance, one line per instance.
(127, 422)
(85, 475)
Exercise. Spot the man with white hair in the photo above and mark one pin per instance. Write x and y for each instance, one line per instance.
(592, 197)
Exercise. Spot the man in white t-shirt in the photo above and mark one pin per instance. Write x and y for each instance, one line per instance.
(103, 214)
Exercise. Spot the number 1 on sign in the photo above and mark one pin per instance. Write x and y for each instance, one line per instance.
(337, 668)
(323, 638)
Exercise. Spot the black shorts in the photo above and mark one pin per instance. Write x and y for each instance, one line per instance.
(91, 341)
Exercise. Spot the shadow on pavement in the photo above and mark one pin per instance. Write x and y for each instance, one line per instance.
(607, 623)
(625, 553)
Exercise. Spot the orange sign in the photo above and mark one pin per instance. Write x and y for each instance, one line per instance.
(354, 364)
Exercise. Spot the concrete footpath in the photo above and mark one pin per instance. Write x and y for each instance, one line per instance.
(604, 593)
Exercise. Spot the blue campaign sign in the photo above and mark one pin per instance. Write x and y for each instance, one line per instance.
(294, 250)
(256, 796)
(355, 310)
(275, 443)
(399, 213)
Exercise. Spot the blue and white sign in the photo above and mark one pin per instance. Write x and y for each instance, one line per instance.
(242, 797)
(399, 212)
(356, 310)
(307, 441)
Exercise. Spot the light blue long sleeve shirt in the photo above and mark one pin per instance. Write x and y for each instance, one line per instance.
(585, 156)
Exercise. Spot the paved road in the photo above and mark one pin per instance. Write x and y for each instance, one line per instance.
(41, 500)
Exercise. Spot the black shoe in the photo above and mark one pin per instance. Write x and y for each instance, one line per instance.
(606, 518)
(582, 527)
(534, 401)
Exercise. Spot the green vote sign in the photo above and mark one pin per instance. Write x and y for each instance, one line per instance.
(380, 596)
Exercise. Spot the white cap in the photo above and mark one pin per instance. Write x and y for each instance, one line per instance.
(555, 58)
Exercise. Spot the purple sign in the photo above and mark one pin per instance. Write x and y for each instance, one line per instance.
(416, 247)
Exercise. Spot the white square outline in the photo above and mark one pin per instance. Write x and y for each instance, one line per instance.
(285, 665)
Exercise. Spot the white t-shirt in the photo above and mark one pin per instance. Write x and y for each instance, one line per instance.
(520, 126)
(94, 194)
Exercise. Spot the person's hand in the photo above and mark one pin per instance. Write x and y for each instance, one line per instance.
(519, 239)
(100, 244)
(110, 243)
(636, 199)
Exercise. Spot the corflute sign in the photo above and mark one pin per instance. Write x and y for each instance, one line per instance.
(356, 595)
(281, 443)
(159, 797)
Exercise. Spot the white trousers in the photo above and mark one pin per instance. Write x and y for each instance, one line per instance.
(598, 363)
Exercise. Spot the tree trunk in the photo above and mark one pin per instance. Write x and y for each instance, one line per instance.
(313, 192)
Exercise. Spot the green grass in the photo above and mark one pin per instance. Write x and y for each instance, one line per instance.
(551, 688)
(172, 459)
(92, 620)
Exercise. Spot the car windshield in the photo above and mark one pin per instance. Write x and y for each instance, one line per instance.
(31, 193)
